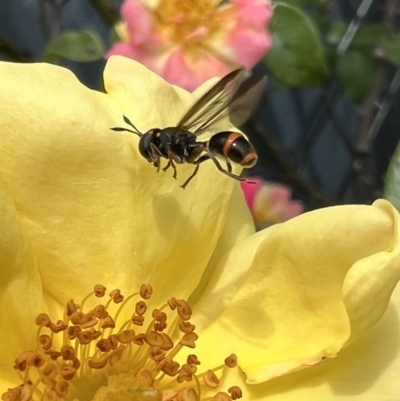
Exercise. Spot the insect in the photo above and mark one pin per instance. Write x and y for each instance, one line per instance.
(233, 96)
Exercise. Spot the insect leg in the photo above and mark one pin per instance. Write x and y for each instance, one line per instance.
(171, 163)
(197, 162)
(221, 169)
(155, 154)
(167, 166)
(228, 165)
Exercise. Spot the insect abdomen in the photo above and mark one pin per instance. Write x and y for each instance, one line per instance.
(235, 147)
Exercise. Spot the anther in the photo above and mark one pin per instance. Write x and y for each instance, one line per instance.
(78, 318)
(156, 354)
(154, 338)
(85, 337)
(36, 360)
(67, 372)
(100, 312)
(192, 360)
(61, 388)
(170, 367)
(189, 394)
(116, 355)
(113, 341)
(231, 361)
(138, 320)
(139, 339)
(160, 317)
(99, 290)
(49, 369)
(95, 333)
(186, 372)
(98, 363)
(186, 327)
(76, 363)
(73, 332)
(43, 320)
(145, 377)
(21, 362)
(116, 296)
(189, 339)
(172, 303)
(159, 327)
(235, 392)
(107, 323)
(90, 323)
(168, 344)
(21, 393)
(169, 395)
(184, 310)
(221, 396)
(126, 336)
(54, 355)
(45, 341)
(210, 379)
(146, 291)
(140, 308)
(68, 353)
(104, 345)
(57, 327)
(71, 307)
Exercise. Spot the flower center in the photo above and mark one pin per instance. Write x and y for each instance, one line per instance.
(90, 355)
(190, 23)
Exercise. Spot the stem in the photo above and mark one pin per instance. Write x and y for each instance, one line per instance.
(109, 13)
(14, 54)
(291, 177)
(363, 164)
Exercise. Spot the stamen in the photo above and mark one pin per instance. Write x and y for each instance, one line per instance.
(235, 392)
(221, 396)
(146, 291)
(86, 346)
(210, 379)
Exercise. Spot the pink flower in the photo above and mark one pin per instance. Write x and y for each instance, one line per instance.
(270, 203)
(188, 42)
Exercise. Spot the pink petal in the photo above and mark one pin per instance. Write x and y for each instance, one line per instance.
(250, 190)
(253, 17)
(249, 47)
(273, 203)
(247, 41)
(189, 72)
(138, 20)
(123, 49)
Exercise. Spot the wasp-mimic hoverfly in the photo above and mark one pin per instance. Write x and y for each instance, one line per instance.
(233, 96)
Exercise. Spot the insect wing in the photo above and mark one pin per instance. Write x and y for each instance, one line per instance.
(213, 103)
(231, 95)
(245, 100)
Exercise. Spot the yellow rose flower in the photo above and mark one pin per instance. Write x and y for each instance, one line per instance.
(79, 206)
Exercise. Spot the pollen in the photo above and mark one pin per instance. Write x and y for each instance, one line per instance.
(93, 354)
(191, 23)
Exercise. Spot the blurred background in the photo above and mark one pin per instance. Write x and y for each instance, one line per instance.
(327, 126)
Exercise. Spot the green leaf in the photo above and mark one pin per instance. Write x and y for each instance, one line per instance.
(296, 57)
(370, 36)
(356, 72)
(334, 32)
(391, 191)
(82, 46)
(298, 3)
(391, 51)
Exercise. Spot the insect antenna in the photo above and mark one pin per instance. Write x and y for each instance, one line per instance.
(135, 130)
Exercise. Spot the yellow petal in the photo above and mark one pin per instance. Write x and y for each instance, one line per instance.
(278, 296)
(94, 210)
(367, 370)
(20, 289)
